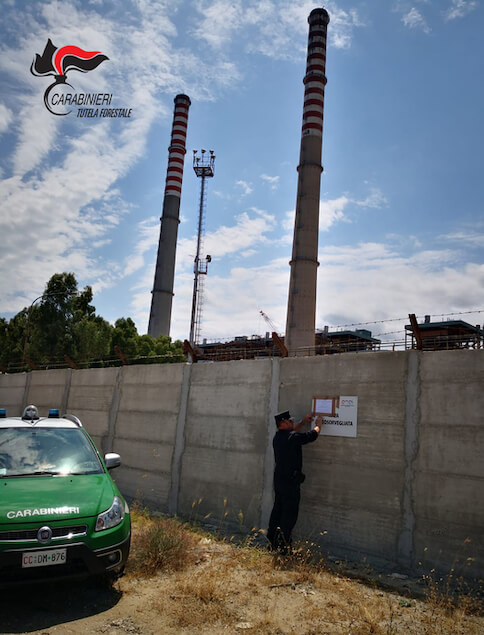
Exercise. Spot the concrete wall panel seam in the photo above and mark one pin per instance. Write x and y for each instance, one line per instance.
(266, 499)
(67, 387)
(108, 441)
(405, 546)
(28, 379)
(179, 449)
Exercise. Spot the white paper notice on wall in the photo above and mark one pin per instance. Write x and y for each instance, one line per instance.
(339, 415)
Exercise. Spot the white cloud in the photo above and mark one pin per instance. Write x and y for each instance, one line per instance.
(271, 180)
(469, 238)
(332, 211)
(373, 282)
(415, 20)
(375, 199)
(147, 241)
(276, 29)
(219, 22)
(239, 240)
(246, 187)
(250, 229)
(460, 8)
(227, 244)
(6, 118)
(356, 284)
(231, 302)
(247, 253)
(64, 205)
(342, 25)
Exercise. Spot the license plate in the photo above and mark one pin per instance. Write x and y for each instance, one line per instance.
(43, 558)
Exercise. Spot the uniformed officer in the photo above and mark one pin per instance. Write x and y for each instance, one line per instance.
(288, 476)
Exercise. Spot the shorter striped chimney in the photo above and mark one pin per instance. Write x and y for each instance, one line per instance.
(162, 294)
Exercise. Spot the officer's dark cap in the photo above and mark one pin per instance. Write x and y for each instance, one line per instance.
(282, 416)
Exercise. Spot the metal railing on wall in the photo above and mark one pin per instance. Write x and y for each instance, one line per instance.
(259, 348)
(20, 366)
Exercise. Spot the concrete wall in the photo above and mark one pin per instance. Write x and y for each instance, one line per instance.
(196, 440)
(354, 486)
(225, 439)
(448, 483)
(145, 432)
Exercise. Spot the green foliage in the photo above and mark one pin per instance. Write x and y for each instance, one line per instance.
(61, 327)
(125, 336)
(54, 320)
(93, 338)
(3, 341)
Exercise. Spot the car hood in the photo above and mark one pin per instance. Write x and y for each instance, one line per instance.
(54, 497)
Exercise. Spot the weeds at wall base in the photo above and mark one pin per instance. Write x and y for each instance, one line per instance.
(215, 577)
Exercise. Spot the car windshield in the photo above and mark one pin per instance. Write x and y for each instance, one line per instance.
(46, 451)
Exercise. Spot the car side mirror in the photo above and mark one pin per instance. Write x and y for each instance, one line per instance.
(112, 460)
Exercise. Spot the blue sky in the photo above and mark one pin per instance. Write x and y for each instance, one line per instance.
(401, 215)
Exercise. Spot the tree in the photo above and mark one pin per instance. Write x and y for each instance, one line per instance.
(3, 343)
(125, 336)
(93, 338)
(172, 351)
(148, 349)
(61, 307)
(62, 322)
(15, 341)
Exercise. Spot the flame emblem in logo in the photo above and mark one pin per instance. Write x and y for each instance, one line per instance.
(58, 61)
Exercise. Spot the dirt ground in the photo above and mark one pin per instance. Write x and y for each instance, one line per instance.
(232, 590)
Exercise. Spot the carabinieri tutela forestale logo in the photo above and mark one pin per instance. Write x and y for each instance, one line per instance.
(58, 98)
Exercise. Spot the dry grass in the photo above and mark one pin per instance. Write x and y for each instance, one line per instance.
(160, 544)
(208, 585)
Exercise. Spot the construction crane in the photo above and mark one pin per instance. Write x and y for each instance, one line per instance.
(275, 337)
(268, 320)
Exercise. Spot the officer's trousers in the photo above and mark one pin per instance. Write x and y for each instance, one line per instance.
(284, 515)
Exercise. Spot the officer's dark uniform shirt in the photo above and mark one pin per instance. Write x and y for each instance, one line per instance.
(288, 454)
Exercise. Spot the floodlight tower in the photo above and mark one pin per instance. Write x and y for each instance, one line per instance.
(204, 167)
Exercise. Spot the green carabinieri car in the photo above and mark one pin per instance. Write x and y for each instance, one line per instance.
(61, 514)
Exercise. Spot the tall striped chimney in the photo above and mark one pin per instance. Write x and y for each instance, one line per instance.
(301, 305)
(162, 294)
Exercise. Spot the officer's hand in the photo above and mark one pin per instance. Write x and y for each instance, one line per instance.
(319, 423)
